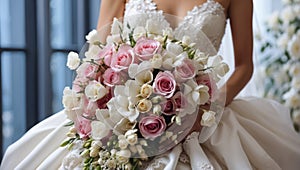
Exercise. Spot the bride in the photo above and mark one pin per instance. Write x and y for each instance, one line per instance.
(252, 133)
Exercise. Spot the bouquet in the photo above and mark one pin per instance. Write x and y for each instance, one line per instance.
(131, 92)
(281, 58)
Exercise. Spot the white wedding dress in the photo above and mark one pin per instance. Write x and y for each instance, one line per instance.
(253, 133)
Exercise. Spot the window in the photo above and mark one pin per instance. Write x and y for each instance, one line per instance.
(35, 38)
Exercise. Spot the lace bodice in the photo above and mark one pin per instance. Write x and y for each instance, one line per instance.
(206, 21)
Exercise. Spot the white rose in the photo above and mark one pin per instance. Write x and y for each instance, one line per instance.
(123, 156)
(73, 60)
(208, 118)
(294, 47)
(95, 91)
(93, 36)
(70, 99)
(99, 130)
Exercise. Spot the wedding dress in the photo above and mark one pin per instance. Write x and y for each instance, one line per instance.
(252, 133)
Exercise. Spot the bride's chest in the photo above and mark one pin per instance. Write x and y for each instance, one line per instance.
(208, 18)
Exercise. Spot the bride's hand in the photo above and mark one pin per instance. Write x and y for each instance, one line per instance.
(183, 130)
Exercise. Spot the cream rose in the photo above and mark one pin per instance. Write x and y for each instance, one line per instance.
(146, 90)
(144, 105)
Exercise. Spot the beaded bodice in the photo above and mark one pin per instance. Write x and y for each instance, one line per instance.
(203, 22)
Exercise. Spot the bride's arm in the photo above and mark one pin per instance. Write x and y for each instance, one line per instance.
(240, 14)
(110, 9)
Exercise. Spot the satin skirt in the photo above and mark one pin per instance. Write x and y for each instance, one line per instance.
(253, 133)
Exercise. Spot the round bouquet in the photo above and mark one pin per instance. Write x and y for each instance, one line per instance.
(136, 96)
(281, 58)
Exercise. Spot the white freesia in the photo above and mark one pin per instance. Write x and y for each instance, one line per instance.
(208, 118)
(123, 156)
(95, 91)
(111, 164)
(156, 61)
(144, 77)
(93, 37)
(99, 130)
(139, 32)
(273, 20)
(294, 47)
(296, 83)
(122, 142)
(135, 69)
(108, 117)
(70, 99)
(296, 117)
(92, 52)
(287, 14)
(292, 98)
(116, 27)
(294, 69)
(218, 65)
(174, 49)
(131, 136)
(283, 41)
(73, 60)
(197, 94)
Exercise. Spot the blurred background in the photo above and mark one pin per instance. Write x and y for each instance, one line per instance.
(35, 38)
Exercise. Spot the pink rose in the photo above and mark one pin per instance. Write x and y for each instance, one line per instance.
(180, 101)
(106, 54)
(152, 126)
(122, 59)
(111, 77)
(168, 107)
(207, 80)
(146, 48)
(103, 101)
(185, 70)
(164, 84)
(83, 126)
(79, 83)
(88, 70)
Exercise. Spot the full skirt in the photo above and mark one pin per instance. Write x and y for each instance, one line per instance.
(253, 133)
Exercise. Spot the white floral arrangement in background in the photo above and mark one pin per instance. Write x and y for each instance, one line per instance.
(130, 92)
(280, 51)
